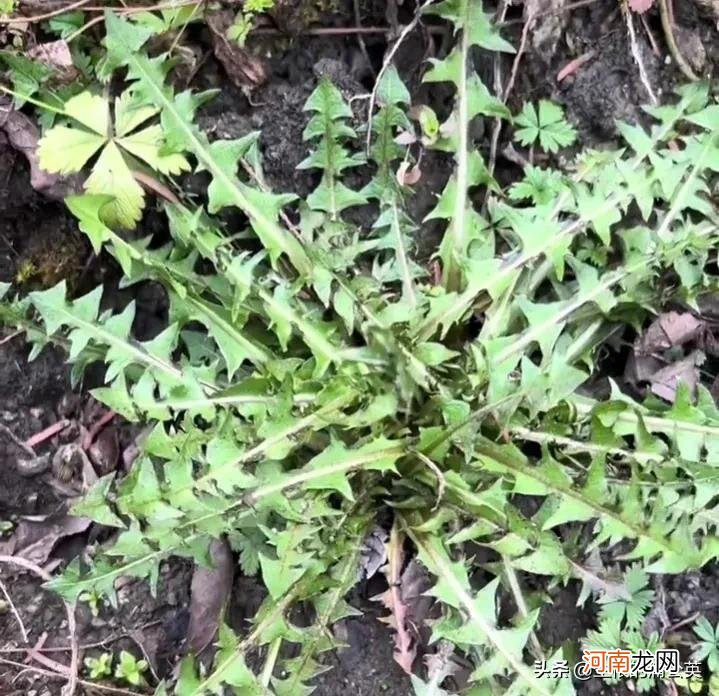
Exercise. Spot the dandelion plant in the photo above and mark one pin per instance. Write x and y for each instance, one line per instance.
(315, 381)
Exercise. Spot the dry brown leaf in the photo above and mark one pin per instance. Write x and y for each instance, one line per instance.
(407, 176)
(665, 382)
(34, 540)
(405, 649)
(210, 591)
(105, 451)
(373, 554)
(243, 69)
(22, 135)
(55, 54)
(680, 328)
(668, 330)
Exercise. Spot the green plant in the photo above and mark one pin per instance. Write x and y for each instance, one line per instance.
(130, 669)
(545, 125)
(708, 648)
(67, 148)
(245, 20)
(316, 378)
(622, 613)
(99, 667)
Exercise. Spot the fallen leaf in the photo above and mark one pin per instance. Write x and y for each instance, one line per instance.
(56, 54)
(23, 135)
(34, 540)
(640, 6)
(105, 451)
(406, 138)
(680, 328)
(373, 554)
(407, 176)
(405, 649)
(243, 69)
(665, 382)
(210, 592)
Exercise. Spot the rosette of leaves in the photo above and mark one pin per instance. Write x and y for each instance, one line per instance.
(125, 143)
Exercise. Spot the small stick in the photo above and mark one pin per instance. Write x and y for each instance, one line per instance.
(636, 53)
(666, 13)
(38, 647)
(683, 622)
(47, 433)
(152, 184)
(14, 610)
(23, 446)
(69, 689)
(82, 682)
(14, 334)
(517, 59)
(573, 65)
(96, 428)
(497, 126)
(541, 15)
(360, 40)
(48, 662)
(386, 63)
(46, 15)
(650, 35)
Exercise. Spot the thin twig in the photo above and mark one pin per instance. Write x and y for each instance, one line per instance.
(9, 338)
(82, 682)
(503, 94)
(23, 446)
(564, 9)
(152, 184)
(689, 619)
(386, 63)
(636, 53)
(46, 15)
(650, 35)
(360, 40)
(72, 680)
(518, 58)
(35, 654)
(47, 433)
(667, 16)
(573, 65)
(14, 610)
(94, 431)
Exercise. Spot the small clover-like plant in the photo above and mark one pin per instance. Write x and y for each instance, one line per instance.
(125, 144)
(546, 125)
(130, 669)
(99, 667)
(708, 648)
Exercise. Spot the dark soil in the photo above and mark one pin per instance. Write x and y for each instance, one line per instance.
(36, 231)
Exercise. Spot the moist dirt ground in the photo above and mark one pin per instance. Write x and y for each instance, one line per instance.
(37, 233)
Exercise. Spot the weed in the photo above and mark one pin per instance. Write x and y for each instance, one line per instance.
(334, 380)
(99, 667)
